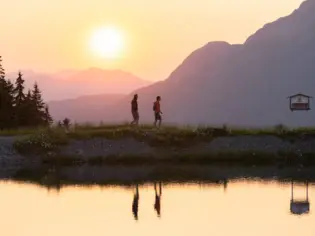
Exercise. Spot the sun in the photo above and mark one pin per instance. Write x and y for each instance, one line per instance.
(107, 42)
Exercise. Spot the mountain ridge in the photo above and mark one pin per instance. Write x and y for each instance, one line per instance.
(241, 84)
(74, 83)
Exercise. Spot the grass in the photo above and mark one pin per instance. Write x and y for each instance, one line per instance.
(43, 140)
(19, 132)
(118, 130)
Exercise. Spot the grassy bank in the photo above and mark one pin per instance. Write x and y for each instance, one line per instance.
(123, 130)
(43, 139)
(45, 142)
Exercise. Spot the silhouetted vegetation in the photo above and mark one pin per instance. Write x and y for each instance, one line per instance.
(56, 176)
(20, 109)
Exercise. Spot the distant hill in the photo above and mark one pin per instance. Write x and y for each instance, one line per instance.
(72, 83)
(85, 108)
(244, 84)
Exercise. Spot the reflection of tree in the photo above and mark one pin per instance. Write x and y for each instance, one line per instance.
(51, 179)
(135, 203)
(299, 207)
(157, 203)
(225, 182)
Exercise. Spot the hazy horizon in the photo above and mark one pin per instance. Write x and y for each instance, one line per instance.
(46, 40)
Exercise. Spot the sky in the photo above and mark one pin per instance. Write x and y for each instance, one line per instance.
(50, 36)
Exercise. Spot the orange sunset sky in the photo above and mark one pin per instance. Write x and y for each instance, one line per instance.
(48, 36)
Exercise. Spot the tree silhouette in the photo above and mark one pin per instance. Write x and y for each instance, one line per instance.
(47, 117)
(39, 106)
(2, 71)
(18, 109)
(19, 91)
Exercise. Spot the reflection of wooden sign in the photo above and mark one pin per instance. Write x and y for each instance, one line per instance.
(299, 207)
(299, 102)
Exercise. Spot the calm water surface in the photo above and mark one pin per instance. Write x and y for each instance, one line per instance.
(240, 208)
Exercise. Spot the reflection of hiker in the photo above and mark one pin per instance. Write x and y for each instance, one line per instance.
(135, 203)
(134, 110)
(157, 111)
(157, 203)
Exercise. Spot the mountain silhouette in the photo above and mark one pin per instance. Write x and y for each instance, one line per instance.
(246, 84)
(74, 83)
(85, 108)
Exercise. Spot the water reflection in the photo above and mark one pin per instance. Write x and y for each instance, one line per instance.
(225, 183)
(135, 203)
(299, 206)
(248, 208)
(157, 203)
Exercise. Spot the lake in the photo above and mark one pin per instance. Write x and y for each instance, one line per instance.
(241, 207)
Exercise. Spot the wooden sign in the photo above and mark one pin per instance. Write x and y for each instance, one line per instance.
(299, 102)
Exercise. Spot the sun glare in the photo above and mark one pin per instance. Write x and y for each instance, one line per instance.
(107, 42)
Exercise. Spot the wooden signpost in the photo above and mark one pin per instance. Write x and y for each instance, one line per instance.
(300, 102)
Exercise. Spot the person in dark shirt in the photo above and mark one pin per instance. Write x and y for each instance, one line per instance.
(157, 111)
(134, 110)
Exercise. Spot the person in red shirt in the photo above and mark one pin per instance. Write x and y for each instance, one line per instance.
(157, 111)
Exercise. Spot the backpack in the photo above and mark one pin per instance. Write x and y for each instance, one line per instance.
(154, 106)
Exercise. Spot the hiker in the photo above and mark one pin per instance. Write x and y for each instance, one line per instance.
(157, 111)
(134, 110)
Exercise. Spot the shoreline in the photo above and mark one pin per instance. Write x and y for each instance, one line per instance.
(226, 150)
(104, 155)
(52, 177)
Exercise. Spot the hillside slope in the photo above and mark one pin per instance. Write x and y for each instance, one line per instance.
(241, 84)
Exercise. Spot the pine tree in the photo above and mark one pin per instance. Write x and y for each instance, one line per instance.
(19, 102)
(47, 117)
(39, 106)
(29, 110)
(6, 100)
(37, 98)
(18, 109)
(2, 80)
(10, 101)
(19, 91)
(2, 71)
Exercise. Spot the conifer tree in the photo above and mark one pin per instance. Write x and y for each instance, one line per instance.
(2, 71)
(47, 117)
(37, 97)
(19, 101)
(9, 108)
(19, 91)
(18, 109)
(2, 80)
(29, 109)
(6, 106)
(39, 105)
